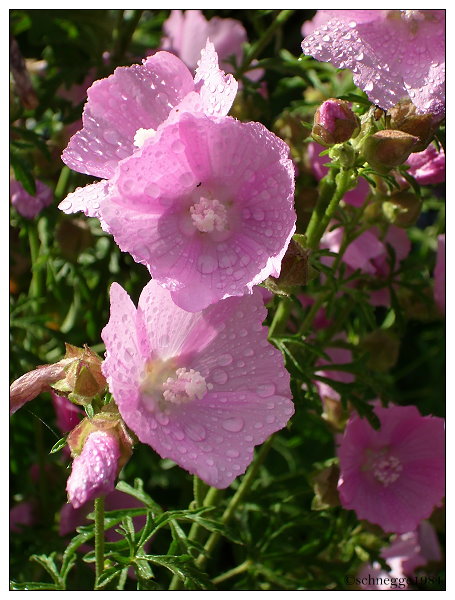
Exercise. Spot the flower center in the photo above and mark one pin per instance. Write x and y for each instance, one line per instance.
(186, 386)
(163, 385)
(209, 215)
(386, 468)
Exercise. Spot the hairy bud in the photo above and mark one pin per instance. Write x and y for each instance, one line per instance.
(402, 209)
(404, 117)
(334, 123)
(388, 148)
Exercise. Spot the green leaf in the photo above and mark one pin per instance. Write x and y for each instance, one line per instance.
(138, 492)
(58, 445)
(184, 568)
(33, 585)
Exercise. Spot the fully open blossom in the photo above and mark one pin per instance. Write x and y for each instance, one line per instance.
(27, 205)
(440, 274)
(207, 205)
(392, 53)
(200, 388)
(429, 166)
(393, 476)
(130, 105)
(95, 469)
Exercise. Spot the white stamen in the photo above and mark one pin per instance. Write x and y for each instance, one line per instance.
(143, 134)
(186, 386)
(209, 214)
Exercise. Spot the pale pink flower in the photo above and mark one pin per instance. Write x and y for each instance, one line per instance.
(128, 107)
(370, 255)
(207, 205)
(355, 197)
(429, 166)
(202, 389)
(186, 33)
(440, 274)
(404, 555)
(393, 476)
(94, 471)
(392, 53)
(27, 205)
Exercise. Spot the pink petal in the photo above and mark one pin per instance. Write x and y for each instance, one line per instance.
(140, 96)
(86, 199)
(216, 89)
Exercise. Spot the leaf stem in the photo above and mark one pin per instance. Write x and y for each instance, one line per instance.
(99, 538)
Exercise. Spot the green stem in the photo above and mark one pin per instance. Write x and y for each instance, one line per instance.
(236, 499)
(233, 572)
(199, 488)
(36, 286)
(262, 42)
(326, 191)
(125, 36)
(280, 317)
(62, 184)
(343, 180)
(99, 538)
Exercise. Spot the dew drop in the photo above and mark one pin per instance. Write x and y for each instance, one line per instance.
(220, 376)
(195, 432)
(225, 359)
(234, 424)
(206, 264)
(232, 453)
(266, 389)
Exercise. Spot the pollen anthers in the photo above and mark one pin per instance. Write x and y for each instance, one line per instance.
(164, 384)
(143, 134)
(384, 467)
(209, 214)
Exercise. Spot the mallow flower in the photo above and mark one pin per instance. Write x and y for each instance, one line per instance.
(393, 476)
(27, 205)
(393, 54)
(428, 167)
(207, 206)
(127, 107)
(202, 389)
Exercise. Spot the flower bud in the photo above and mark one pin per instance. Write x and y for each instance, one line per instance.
(402, 209)
(95, 469)
(325, 488)
(83, 377)
(404, 117)
(388, 148)
(334, 123)
(294, 270)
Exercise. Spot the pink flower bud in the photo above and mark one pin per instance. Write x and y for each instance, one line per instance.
(334, 123)
(95, 469)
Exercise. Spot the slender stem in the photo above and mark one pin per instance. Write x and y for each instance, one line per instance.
(280, 317)
(233, 572)
(99, 538)
(236, 499)
(125, 36)
(199, 488)
(342, 185)
(326, 192)
(262, 42)
(62, 183)
(34, 243)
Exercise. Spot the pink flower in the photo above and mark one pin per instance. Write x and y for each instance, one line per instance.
(27, 205)
(393, 476)
(440, 274)
(130, 105)
(404, 555)
(200, 388)
(95, 469)
(207, 205)
(429, 166)
(392, 53)
(186, 34)
(355, 197)
(370, 255)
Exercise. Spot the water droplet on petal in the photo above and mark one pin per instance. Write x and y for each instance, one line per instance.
(225, 359)
(234, 424)
(195, 432)
(266, 389)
